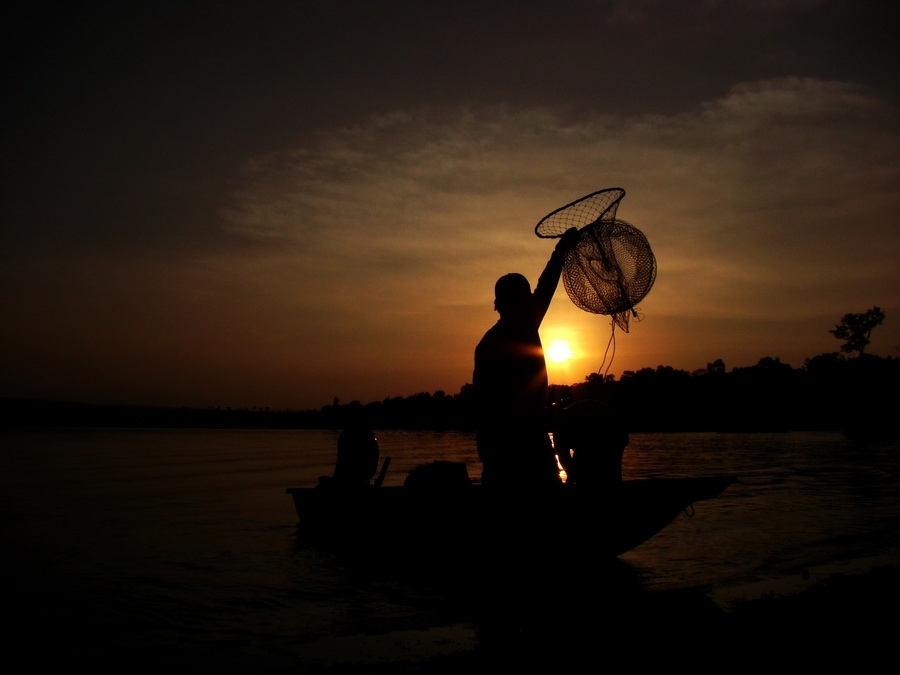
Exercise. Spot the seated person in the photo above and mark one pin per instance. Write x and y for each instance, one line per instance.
(357, 458)
(590, 439)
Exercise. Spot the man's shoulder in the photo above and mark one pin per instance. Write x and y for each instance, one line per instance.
(499, 331)
(492, 341)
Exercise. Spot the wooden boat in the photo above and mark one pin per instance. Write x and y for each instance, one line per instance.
(609, 522)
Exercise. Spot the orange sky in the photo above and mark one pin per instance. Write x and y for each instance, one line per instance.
(220, 210)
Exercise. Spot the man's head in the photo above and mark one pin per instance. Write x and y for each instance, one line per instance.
(512, 292)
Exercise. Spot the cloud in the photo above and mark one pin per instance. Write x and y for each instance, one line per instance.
(779, 192)
(361, 262)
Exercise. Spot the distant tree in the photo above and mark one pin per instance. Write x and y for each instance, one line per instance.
(822, 362)
(856, 330)
(771, 364)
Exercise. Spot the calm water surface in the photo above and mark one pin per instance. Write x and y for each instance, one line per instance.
(186, 539)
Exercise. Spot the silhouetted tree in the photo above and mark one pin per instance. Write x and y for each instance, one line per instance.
(856, 330)
(823, 363)
(771, 364)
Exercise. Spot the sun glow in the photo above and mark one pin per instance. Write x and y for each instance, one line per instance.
(559, 351)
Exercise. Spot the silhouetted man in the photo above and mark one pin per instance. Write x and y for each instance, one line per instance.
(510, 381)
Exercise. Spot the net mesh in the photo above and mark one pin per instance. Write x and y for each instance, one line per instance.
(609, 270)
(611, 267)
(600, 205)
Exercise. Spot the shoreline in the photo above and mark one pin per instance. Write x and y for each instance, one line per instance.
(846, 616)
(848, 619)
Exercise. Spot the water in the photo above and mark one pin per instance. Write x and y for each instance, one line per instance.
(182, 544)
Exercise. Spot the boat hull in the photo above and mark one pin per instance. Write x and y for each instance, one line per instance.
(609, 522)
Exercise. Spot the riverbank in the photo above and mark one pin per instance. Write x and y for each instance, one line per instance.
(848, 619)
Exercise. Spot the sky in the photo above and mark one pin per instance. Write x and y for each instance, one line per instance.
(274, 204)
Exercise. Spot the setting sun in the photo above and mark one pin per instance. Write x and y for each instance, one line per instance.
(559, 351)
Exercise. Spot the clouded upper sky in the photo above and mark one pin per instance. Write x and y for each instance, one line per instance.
(276, 203)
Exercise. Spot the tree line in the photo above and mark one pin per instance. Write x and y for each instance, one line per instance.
(848, 390)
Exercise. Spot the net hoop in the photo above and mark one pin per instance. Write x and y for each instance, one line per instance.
(597, 206)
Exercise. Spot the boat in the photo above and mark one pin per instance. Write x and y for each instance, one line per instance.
(449, 515)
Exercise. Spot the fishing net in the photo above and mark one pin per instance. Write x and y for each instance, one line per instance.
(580, 213)
(611, 267)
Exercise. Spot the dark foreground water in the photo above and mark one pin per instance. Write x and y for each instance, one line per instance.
(156, 547)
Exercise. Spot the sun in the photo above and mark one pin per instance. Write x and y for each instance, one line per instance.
(559, 351)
